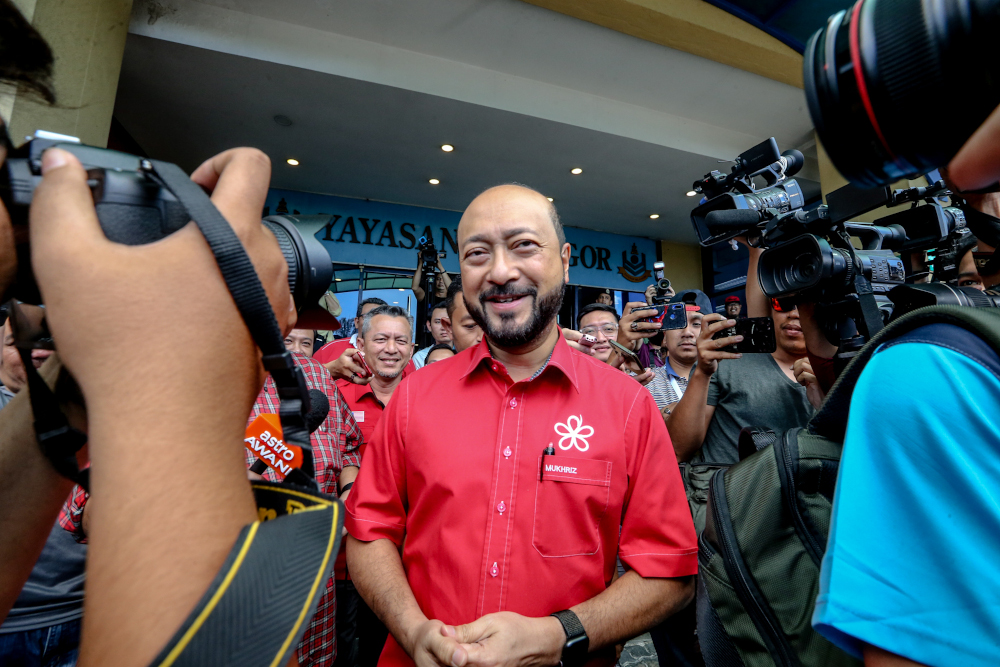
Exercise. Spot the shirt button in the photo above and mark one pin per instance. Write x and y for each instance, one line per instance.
(494, 571)
(507, 452)
(496, 367)
(513, 403)
(501, 507)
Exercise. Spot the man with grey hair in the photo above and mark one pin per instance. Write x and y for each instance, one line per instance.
(385, 340)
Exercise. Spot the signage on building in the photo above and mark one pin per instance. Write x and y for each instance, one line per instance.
(377, 234)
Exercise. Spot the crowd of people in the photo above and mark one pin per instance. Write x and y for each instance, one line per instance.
(517, 493)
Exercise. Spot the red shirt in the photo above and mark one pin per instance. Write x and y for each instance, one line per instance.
(332, 351)
(365, 407)
(367, 411)
(454, 467)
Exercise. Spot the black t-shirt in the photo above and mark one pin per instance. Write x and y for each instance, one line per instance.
(53, 593)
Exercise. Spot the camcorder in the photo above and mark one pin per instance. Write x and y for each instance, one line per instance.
(861, 274)
(429, 255)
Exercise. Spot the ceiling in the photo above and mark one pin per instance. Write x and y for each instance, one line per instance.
(522, 93)
(791, 21)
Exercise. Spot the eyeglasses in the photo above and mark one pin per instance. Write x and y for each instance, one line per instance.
(606, 329)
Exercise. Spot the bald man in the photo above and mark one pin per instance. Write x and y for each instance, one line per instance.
(510, 483)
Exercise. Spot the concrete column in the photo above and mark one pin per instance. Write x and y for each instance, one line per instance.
(682, 264)
(87, 38)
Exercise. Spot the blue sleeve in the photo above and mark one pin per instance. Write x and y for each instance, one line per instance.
(913, 555)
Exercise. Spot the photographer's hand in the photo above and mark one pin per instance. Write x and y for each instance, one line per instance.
(169, 373)
(347, 367)
(631, 329)
(803, 372)
(650, 293)
(572, 336)
(977, 163)
(690, 418)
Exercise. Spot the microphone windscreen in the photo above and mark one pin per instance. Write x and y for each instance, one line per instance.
(741, 218)
(319, 409)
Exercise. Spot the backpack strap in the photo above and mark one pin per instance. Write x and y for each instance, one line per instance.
(753, 439)
(831, 420)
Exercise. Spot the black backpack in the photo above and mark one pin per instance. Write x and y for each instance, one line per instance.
(768, 517)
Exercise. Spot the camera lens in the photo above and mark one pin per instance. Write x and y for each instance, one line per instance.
(310, 269)
(805, 267)
(877, 80)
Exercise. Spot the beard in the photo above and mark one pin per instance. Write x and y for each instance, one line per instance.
(506, 333)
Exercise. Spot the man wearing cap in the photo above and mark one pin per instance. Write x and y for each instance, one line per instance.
(670, 380)
(605, 298)
(514, 489)
(734, 307)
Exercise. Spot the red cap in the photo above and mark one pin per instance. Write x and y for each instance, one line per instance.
(732, 299)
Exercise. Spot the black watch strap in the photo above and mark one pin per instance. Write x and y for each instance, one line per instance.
(577, 647)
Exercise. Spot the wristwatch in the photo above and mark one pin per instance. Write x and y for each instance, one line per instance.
(575, 650)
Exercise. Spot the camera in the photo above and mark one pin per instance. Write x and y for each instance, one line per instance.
(881, 79)
(738, 193)
(428, 254)
(134, 207)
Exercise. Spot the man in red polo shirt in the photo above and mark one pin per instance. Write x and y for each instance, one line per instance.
(338, 356)
(384, 334)
(517, 471)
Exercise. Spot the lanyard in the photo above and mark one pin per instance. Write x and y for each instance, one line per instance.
(676, 387)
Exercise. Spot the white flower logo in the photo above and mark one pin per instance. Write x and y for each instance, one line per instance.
(574, 431)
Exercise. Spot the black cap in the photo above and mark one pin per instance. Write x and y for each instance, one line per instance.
(694, 297)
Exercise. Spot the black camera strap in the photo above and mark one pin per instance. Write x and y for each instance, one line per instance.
(251, 300)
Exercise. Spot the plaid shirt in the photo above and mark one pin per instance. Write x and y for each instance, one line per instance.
(335, 445)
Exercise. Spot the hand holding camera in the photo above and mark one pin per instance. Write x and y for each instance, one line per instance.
(634, 324)
(710, 349)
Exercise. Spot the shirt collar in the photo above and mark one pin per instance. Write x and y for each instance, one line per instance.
(561, 358)
(669, 369)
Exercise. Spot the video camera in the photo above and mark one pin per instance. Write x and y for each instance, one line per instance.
(856, 271)
(429, 255)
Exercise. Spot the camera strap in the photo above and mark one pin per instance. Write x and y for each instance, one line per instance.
(251, 300)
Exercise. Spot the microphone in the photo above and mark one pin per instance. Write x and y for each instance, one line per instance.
(319, 409)
(793, 161)
(741, 218)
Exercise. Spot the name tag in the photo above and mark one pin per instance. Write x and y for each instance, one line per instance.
(359, 416)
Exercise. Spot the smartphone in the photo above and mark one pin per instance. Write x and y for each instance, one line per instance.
(360, 356)
(624, 351)
(757, 332)
(670, 315)
(587, 340)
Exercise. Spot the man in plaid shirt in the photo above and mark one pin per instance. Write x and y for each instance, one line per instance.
(335, 447)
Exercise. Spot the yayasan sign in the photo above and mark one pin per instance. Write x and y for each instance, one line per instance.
(377, 234)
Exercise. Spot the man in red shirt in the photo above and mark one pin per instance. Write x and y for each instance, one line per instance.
(517, 471)
(338, 356)
(385, 338)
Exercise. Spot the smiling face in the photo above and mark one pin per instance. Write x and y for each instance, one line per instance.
(514, 269)
(300, 340)
(788, 332)
(387, 345)
(604, 327)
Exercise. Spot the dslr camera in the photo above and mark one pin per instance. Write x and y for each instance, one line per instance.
(135, 207)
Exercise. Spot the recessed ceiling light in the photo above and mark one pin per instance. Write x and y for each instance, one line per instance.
(691, 193)
(549, 198)
(292, 161)
(401, 289)
(447, 148)
(576, 171)
(654, 216)
(434, 181)
(283, 121)
(337, 280)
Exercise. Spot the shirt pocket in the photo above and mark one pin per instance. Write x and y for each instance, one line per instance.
(571, 499)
